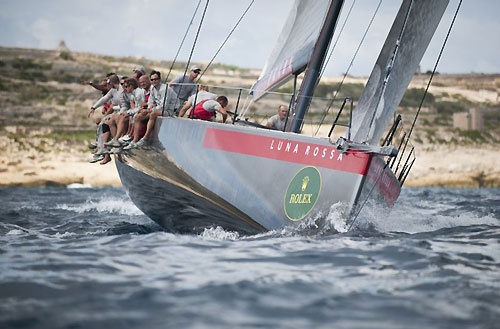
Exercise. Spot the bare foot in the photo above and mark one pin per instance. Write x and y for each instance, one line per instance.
(107, 158)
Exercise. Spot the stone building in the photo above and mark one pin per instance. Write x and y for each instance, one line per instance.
(472, 120)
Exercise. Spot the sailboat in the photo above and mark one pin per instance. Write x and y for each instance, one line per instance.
(199, 174)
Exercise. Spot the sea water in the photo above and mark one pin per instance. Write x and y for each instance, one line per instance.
(81, 257)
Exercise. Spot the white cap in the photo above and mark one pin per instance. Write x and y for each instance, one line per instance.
(195, 68)
(139, 68)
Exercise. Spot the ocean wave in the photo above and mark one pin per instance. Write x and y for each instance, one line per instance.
(218, 233)
(104, 205)
(64, 235)
(414, 221)
(15, 232)
(319, 224)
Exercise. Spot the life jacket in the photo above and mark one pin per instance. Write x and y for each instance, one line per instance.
(201, 113)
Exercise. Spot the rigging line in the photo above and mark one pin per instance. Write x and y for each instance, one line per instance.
(337, 40)
(192, 49)
(183, 39)
(227, 38)
(348, 68)
(246, 105)
(175, 58)
(432, 75)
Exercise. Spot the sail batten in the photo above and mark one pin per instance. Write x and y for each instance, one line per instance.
(294, 47)
(418, 19)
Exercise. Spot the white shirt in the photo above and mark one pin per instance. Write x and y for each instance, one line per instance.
(158, 95)
(202, 95)
(113, 95)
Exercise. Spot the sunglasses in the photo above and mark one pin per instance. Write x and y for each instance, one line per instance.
(155, 79)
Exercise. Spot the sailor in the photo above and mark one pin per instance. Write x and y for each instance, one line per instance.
(277, 121)
(184, 85)
(103, 129)
(112, 95)
(200, 96)
(206, 110)
(119, 121)
(141, 96)
(138, 71)
(155, 108)
(103, 86)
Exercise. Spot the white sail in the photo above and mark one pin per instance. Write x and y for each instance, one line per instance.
(379, 100)
(294, 47)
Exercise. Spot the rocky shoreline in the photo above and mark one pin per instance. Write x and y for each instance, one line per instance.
(435, 166)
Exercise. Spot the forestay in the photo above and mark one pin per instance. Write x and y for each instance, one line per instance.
(294, 47)
(385, 87)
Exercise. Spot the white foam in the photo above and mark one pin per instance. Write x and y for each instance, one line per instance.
(15, 232)
(411, 219)
(104, 205)
(78, 185)
(64, 235)
(218, 233)
(335, 221)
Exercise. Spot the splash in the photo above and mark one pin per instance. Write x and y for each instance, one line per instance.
(15, 232)
(64, 235)
(104, 205)
(416, 217)
(78, 186)
(218, 233)
(334, 222)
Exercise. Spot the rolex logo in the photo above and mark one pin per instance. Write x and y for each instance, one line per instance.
(302, 193)
(305, 181)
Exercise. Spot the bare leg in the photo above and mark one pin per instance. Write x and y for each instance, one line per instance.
(151, 123)
(121, 126)
(112, 124)
(106, 136)
(139, 122)
(107, 158)
(130, 128)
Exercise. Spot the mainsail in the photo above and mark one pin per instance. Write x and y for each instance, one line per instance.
(294, 47)
(417, 19)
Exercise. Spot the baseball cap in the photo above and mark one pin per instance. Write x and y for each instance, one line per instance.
(139, 68)
(195, 68)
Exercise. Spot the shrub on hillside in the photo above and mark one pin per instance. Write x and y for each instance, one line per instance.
(413, 97)
(447, 107)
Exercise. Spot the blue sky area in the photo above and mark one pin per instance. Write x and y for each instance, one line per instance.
(154, 29)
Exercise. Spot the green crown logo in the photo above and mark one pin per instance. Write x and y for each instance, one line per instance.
(302, 193)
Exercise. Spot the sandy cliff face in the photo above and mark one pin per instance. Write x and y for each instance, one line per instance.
(44, 129)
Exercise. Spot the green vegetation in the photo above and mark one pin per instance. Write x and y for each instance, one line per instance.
(473, 135)
(29, 64)
(229, 67)
(447, 107)
(30, 92)
(324, 90)
(413, 97)
(66, 56)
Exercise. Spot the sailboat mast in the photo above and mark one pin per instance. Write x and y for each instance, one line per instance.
(312, 76)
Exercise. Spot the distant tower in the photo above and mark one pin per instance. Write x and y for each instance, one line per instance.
(62, 47)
